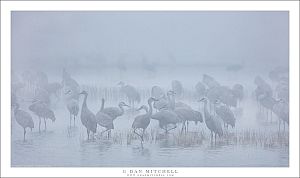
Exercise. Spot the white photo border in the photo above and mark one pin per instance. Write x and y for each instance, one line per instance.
(8, 6)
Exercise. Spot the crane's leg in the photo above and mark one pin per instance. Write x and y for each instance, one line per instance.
(74, 120)
(279, 125)
(211, 136)
(215, 137)
(45, 124)
(88, 133)
(24, 134)
(39, 125)
(109, 134)
(187, 126)
(143, 134)
(70, 119)
(183, 127)
(134, 131)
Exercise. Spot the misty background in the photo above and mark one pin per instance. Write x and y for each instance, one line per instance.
(49, 41)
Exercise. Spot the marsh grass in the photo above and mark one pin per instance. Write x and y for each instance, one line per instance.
(257, 138)
(244, 137)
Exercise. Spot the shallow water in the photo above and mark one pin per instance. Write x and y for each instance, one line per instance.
(62, 146)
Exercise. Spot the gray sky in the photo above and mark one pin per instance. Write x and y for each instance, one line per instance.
(58, 38)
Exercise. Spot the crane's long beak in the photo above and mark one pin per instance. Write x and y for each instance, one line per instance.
(139, 108)
(154, 99)
(202, 99)
(81, 93)
(69, 91)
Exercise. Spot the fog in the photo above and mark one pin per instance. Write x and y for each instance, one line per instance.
(100, 39)
(241, 59)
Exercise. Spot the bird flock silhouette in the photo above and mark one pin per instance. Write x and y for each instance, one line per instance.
(218, 103)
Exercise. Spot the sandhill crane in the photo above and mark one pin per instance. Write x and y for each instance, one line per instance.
(162, 103)
(23, 118)
(104, 120)
(53, 88)
(238, 92)
(115, 112)
(165, 102)
(157, 92)
(200, 90)
(267, 102)
(225, 114)
(73, 108)
(131, 93)
(227, 97)
(213, 94)
(281, 109)
(41, 109)
(177, 88)
(167, 117)
(212, 122)
(184, 112)
(282, 90)
(264, 87)
(42, 95)
(69, 83)
(142, 121)
(88, 119)
(210, 81)
(187, 115)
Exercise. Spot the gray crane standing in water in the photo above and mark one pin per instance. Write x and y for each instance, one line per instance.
(200, 90)
(225, 114)
(73, 108)
(131, 93)
(267, 102)
(88, 119)
(184, 112)
(143, 121)
(281, 109)
(177, 88)
(210, 81)
(167, 116)
(104, 120)
(23, 118)
(42, 95)
(164, 102)
(212, 122)
(157, 92)
(115, 112)
(41, 109)
(68, 83)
